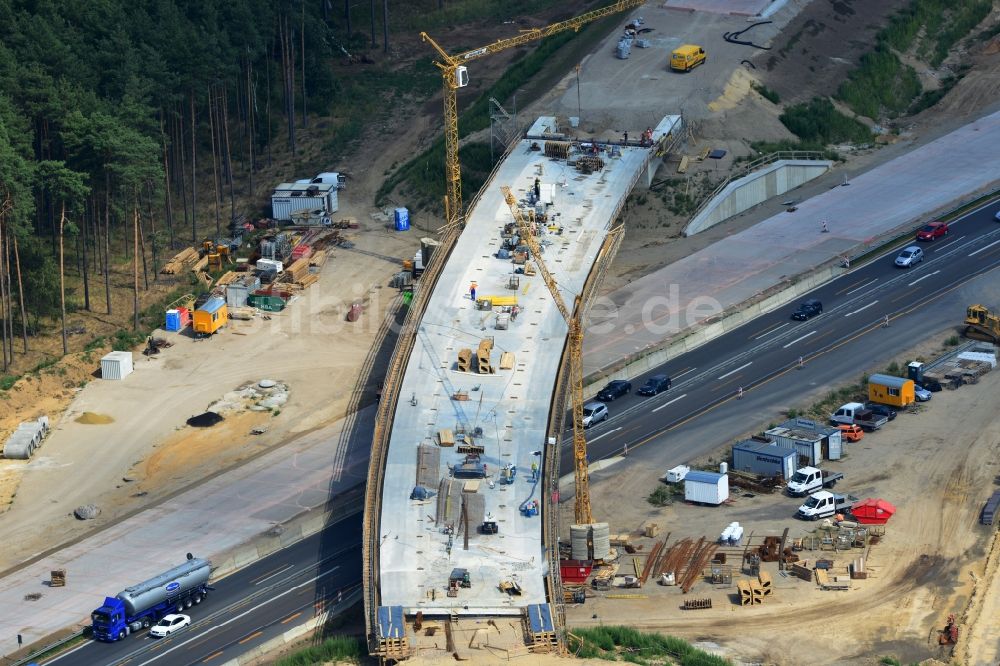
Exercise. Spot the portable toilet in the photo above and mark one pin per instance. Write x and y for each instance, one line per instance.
(211, 316)
(892, 391)
(402, 219)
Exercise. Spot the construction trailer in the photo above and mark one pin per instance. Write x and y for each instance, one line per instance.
(211, 316)
(290, 197)
(239, 289)
(892, 391)
(764, 458)
(814, 442)
(706, 487)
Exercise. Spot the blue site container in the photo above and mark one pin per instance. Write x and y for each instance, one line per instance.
(173, 320)
(402, 219)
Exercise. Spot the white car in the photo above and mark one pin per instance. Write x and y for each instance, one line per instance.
(921, 394)
(169, 624)
(593, 413)
(997, 216)
(911, 256)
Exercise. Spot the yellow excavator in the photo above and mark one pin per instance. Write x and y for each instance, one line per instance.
(981, 324)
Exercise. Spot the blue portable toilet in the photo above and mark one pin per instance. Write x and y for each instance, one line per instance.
(173, 320)
(402, 218)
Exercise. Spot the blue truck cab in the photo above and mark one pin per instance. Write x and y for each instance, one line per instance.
(141, 606)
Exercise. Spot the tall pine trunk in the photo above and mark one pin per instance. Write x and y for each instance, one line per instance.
(194, 176)
(107, 241)
(20, 296)
(135, 269)
(215, 169)
(62, 279)
(166, 178)
(229, 155)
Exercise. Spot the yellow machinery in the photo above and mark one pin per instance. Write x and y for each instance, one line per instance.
(456, 75)
(582, 510)
(981, 324)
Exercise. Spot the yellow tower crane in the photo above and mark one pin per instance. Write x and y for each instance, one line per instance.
(574, 320)
(456, 75)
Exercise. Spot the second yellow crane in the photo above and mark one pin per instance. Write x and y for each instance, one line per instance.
(456, 75)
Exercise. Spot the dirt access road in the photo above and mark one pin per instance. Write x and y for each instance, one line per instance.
(937, 466)
(309, 347)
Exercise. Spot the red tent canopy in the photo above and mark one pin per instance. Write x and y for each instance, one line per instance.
(873, 511)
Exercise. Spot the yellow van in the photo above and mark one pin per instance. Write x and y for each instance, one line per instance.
(687, 57)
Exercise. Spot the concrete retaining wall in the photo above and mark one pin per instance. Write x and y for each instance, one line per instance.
(755, 188)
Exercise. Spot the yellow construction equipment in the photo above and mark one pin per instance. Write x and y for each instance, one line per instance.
(456, 75)
(981, 324)
(582, 511)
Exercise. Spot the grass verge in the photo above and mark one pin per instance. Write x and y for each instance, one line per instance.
(334, 648)
(617, 643)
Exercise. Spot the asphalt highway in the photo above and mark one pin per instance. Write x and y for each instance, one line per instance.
(249, 607)
(762, 356)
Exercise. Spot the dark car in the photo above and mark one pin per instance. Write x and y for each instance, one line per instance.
(931, 385)
(614, 389)
(655, 384)
(808, 309)
(881, 410)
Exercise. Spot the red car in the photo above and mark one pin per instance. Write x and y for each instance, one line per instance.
(933, 231)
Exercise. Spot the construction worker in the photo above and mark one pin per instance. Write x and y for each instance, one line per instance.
(534, 471)
(739, 393)
(625, 142)
(885, 322)
(800, 362)
(825, 229)
(538, 189)
(472, 291)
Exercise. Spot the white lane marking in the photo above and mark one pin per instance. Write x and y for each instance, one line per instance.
(866, 284)
(861, 308)
(276, 573)
(922, 278)
(685, 372)
(951, 242)
(241, 615)
(733, 372)
(984, 248)
(666, 404)
(799, 339)
(603, 434)
(764, 335)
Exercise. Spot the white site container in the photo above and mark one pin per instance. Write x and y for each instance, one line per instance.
(270, 265)
(676, 474)
(706, 487)
(116, 365)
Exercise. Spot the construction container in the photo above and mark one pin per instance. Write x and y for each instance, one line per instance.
(211, 316)
(116, 365)
(401, 219)
(266, 302)
(301, 251)
(290, 197)
(427, 247)
(268, 265)
(575, 571)
(892, 391)
(873, 512)
(706, 487)
(814, 442)
(987, 517)
(764, 459)
(238, 290)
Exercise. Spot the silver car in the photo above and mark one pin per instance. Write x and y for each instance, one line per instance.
(911, 256)
(594, 413)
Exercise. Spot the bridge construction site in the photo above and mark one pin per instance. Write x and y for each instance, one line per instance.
(462, 496)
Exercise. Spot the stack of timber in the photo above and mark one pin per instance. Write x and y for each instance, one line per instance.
(228, 277)
(180, 261)
(318, 258)
(299, 273)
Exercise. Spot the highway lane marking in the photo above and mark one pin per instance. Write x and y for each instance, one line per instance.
(866, 284)
(799, 339)
(923, 278)
(775, 330)
(908, 292)
(960, 283)
(251, 637)
(603, 434)
(984, 248)
(258, 581)
(236, 618)
(951, 242)
(212, 656)
(860, 309)
(667, 404)
(733, 372)
(684, 372)
(291, 617)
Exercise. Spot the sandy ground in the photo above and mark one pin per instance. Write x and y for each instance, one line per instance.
(147, 451)
(937, 466)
